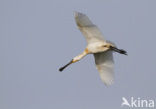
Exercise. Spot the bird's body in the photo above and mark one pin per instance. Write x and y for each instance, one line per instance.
(97, 45)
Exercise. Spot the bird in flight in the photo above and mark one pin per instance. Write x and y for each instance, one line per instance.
(96, 44)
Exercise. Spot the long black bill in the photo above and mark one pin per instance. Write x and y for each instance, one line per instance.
(62, 68)
(121, 51)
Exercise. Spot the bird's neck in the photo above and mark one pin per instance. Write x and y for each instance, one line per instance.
(79, 57)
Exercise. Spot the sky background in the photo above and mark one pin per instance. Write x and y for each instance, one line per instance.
(39, 36)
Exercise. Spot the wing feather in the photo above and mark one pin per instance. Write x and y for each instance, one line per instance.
(105, 65)
(88, 29)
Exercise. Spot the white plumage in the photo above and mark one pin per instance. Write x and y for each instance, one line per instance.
(88, 29)
(97, 45)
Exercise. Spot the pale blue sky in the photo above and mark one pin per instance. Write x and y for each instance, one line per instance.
(39, 36)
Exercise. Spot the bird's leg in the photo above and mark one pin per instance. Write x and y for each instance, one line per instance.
(75, 59)
(121, 51)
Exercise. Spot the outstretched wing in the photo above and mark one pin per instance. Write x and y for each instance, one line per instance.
(88, 29)
(105, 65)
